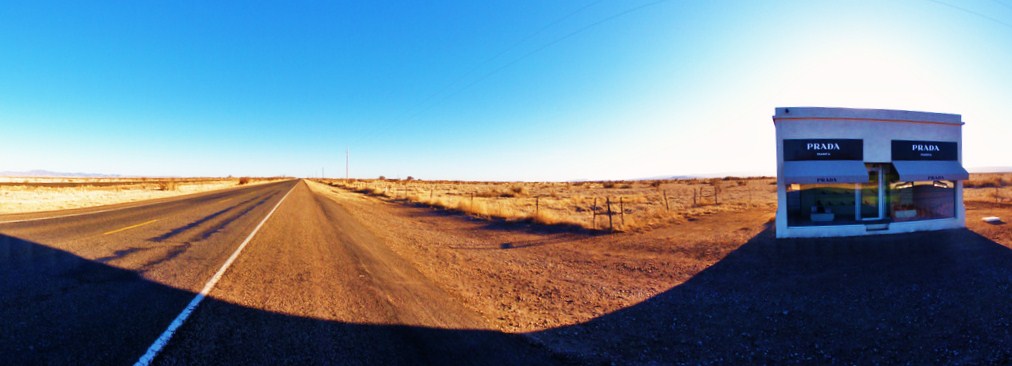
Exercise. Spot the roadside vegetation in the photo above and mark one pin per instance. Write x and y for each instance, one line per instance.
(634, 205)
(596, 206)
(30, 194)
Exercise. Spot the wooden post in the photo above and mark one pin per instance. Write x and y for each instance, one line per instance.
(715, 188)
(472, 200)
(593, 213)
(749, 193)
(666, 207)
(611, 226)
(537, 206)
(431, 192)
(693, 197)
(621, 211)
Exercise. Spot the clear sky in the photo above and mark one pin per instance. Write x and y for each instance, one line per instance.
(497, 90)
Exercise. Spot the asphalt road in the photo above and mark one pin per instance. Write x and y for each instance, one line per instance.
(98, 286)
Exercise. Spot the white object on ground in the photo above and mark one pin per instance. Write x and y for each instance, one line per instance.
(992, 219)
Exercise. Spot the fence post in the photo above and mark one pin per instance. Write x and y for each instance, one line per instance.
(693, 197)
(715, 189)
(621, 211)
(472, 200)
(607, 201)
(749, 193)
(666, 207)
(593, 213)
(537, 206)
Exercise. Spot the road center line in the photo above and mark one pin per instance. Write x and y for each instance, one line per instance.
(128, 227)
(163, 339)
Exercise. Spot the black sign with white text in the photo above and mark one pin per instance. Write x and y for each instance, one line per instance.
(925, 150)
(823, 149)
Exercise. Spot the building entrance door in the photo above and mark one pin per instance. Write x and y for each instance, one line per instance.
(870, 197)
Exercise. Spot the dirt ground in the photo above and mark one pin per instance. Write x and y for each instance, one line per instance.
(530, 278)
(998, 232)
(597, 297)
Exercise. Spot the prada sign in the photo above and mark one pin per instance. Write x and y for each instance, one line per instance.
(924, 150)
(823, 149)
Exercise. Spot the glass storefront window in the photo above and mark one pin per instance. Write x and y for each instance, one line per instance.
(883, 199)
(820, 204)
(922, 200)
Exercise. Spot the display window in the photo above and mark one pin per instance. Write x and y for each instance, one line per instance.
(884, 198)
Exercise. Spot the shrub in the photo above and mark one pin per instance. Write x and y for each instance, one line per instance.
(987, 182)
(518, 189)
(167, 185)
(243, 180)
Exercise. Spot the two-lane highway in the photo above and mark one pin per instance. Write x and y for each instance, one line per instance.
(99, 287)
(312, 286)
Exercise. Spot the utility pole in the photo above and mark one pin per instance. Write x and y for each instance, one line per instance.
(347, 158)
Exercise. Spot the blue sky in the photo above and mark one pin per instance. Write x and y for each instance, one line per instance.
(497, 90)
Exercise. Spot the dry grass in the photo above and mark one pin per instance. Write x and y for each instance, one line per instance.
(635, 205)
(30, 194)
(988, 187)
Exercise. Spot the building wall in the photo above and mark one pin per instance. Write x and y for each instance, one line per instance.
(877, 128)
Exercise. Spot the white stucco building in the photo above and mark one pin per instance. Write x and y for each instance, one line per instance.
(843, 172)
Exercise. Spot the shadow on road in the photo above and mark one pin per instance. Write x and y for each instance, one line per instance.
(926, 298)
(58, 308)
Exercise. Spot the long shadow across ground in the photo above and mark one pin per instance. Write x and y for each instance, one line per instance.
(923, 298)
(57, 308)
(926, 298)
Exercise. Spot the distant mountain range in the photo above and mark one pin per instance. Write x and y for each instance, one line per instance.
(48, 174)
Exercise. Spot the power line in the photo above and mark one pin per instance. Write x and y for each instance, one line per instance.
(557, 41)
(508, 49)
(421, 106)
(1003, 4)
(968, 11)
(528, 54)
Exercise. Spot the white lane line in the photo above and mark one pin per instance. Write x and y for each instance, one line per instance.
(186, 196)
(163, 340)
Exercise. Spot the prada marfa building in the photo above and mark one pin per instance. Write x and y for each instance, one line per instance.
(843, 172)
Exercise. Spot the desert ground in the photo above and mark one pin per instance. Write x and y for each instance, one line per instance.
(532, 278)
(407, 272)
